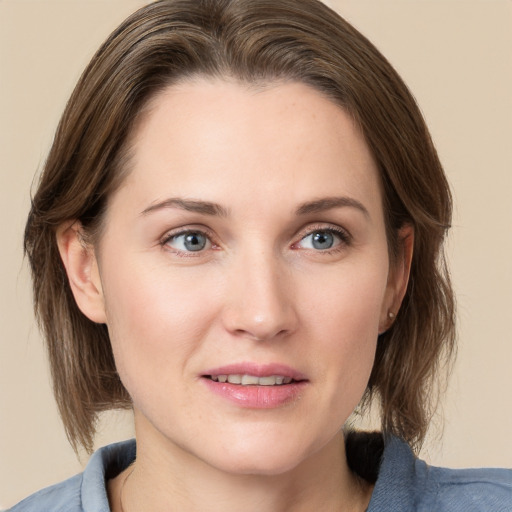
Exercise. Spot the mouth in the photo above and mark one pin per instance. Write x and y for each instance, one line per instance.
(256, 386)
(252, 380)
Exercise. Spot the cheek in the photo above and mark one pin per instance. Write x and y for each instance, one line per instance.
(347, 303)
(343, 317)
(156, 319)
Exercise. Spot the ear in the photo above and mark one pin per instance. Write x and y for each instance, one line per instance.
(79, 260)
(398, 278)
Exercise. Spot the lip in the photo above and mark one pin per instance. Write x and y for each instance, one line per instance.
(255, 396)
(258, 370)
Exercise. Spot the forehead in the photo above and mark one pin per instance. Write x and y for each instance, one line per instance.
(220, 139)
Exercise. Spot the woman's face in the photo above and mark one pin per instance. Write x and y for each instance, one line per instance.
(247, 244)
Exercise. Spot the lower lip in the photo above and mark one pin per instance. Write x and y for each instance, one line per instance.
(257, 397)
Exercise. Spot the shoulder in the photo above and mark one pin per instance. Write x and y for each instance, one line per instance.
(469, 489)
(62, 497)
(406, 483)
(85, 492)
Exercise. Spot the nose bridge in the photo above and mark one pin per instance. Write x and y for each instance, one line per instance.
(260, 302)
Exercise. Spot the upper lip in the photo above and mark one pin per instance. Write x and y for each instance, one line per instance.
(258, 370)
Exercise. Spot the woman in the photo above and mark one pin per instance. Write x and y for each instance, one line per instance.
(239, 233)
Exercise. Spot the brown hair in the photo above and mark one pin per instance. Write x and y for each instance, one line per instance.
(250, 41)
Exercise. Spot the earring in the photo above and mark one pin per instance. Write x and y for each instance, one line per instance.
(391, 317)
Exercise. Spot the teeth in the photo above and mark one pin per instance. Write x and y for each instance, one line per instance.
(268, 381)
(249, 379)
(252, 380)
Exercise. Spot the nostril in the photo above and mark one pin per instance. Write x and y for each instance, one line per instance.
(260, 336)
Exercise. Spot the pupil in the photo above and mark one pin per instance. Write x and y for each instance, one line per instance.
(323, 240)
(195, 242)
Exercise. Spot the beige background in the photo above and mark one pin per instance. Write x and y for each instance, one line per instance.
(456, 55)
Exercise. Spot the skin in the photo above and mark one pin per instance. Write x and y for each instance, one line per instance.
(260, 291)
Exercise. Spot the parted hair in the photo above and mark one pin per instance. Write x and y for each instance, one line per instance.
(251, 41)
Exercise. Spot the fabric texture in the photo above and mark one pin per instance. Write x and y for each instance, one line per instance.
(404, 483)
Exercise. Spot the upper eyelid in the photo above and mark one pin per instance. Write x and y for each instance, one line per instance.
(185, 230)
(310, 229)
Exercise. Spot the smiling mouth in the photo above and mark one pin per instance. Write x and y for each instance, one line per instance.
(252, 380)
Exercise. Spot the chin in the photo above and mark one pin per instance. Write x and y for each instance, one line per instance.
(264, 466)
(269, 457)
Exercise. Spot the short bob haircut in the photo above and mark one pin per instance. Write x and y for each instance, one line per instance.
(251, 42)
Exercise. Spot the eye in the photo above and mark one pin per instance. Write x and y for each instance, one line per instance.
(188, 241)
(322, 240)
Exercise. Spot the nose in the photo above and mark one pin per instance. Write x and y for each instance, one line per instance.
(260, 298)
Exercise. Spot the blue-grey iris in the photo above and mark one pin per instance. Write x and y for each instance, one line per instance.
(322, 240)
(194, 241)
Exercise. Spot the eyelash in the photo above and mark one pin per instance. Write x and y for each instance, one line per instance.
(345, 239)
(183, 232)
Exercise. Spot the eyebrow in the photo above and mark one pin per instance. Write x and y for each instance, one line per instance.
(189, 205)
(328, 203)
(214, 209)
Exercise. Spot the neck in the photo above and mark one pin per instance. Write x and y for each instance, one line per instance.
(165, 478)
